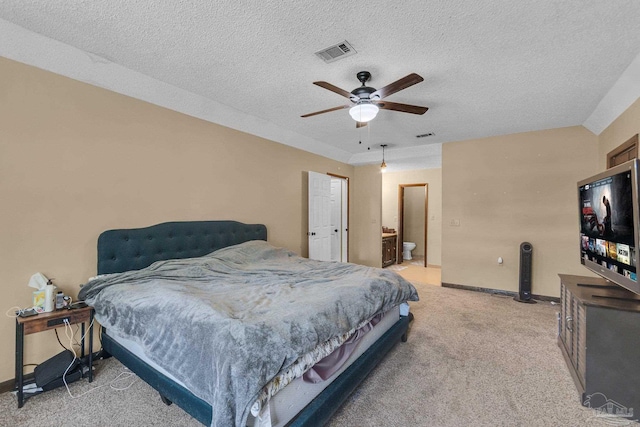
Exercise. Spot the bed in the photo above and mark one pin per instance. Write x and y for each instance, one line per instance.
(134, 251)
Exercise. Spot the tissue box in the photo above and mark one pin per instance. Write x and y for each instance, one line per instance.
(38, 299)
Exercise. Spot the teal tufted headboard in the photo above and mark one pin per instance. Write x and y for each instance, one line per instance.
(137, 248)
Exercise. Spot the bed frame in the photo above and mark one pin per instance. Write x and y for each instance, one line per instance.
(134, 249)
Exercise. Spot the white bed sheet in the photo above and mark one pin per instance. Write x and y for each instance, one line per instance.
(296, 395)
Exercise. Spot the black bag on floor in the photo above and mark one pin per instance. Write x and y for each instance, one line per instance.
(53, 369)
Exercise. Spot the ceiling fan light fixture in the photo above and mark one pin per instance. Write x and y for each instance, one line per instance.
(363, 112)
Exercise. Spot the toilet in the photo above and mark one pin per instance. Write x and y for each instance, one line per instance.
(407, 247)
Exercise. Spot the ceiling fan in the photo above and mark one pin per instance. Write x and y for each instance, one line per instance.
(366, 101)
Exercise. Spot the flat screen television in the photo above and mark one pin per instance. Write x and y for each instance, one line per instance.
(609, 224)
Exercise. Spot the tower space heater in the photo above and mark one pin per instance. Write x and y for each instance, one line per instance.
(524, 292)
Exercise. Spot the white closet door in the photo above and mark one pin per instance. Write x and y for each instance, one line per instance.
(319, 216)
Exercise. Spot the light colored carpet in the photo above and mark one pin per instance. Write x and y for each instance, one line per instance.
(472, 359)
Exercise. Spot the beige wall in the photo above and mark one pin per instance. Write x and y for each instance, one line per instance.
(623, 128)
(509, 189)
(433, 177)
(76, 160)
(366, 215)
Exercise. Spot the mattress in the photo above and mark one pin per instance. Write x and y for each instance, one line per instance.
(296, 395)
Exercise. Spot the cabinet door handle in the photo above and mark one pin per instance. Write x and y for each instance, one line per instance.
(569, 323)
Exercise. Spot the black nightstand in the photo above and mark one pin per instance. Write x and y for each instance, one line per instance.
(44, 322)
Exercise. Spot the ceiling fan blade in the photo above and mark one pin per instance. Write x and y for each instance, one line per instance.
(342, 107)
(404, 108)
(396, 86)
(360, 124)
(334, 89)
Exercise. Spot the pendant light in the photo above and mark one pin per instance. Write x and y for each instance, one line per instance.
(383, 166)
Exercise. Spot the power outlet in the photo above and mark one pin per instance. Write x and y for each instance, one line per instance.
(454, 223)
(59, 321)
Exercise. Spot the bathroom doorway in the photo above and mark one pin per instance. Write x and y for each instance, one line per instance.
(410, 209)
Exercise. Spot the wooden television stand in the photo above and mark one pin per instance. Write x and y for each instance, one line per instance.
(599, 335)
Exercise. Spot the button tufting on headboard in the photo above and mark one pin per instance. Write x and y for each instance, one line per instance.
(133, 249)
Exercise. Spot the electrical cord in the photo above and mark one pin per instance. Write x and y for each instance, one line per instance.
(79, 344)
(123, 375)
(58, 338)
(15, 310)
(67, 327)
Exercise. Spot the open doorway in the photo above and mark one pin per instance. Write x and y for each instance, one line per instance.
(413, 213)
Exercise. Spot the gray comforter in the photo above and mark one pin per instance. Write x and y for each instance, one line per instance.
(225, 324)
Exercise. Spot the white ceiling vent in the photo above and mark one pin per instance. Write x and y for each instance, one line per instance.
(335, 52)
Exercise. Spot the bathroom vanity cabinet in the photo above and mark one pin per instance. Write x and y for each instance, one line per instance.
(389, 248)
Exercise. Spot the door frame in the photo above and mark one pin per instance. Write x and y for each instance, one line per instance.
(628, 150)
(346, 230)
(401, 188)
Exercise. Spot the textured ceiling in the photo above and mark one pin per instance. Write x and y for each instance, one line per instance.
(489, 68)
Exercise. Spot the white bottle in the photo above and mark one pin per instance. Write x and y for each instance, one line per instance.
(49, 298)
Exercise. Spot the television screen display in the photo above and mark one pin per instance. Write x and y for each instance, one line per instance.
(608, 224)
